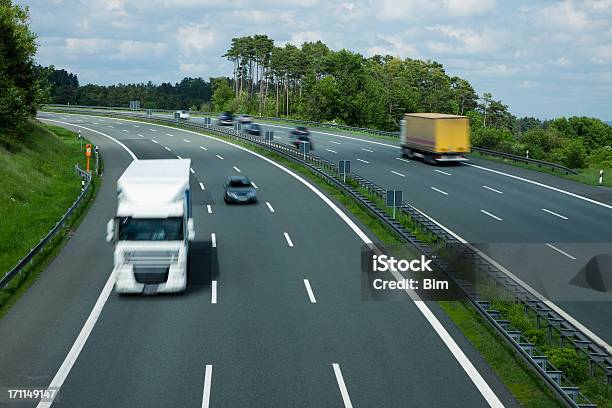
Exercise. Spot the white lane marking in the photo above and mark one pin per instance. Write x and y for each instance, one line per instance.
(554, 213)
(207, 383)
(332, 151)
(561, 251)
(168, 134)
(191, 170)
(179, 157)
(79, 343)
(167, 148)
(270, 206)
(188, 141)
(110, 126)
(153, 130)
(219, 157)
(542, 185)
(363, 161)
(402, 159)
(343, 391)
(203, 148)
(136, 126)
(289, 242)
(399, 174)
(254, 185)
(94, 123)
(202, 186)
(155, 141)
(209, 208)
(494, 190)
(311, 295)
(125, 130)
(213, 238)
(443, 172)
(213, 294)
(439, 191)
(100, 133)
(331, 141)
(491, 215)
(440, 330)
(237, 169)
(140, 135)
(367, 150)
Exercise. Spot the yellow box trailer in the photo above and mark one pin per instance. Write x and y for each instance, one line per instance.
(435, 137)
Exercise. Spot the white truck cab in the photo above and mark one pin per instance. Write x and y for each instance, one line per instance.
(153, 227)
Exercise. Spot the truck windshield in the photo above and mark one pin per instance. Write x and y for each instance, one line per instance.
(150, 229)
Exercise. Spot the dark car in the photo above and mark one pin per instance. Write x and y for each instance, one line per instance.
(252, 129)
(239, 189)
(226, 119)
(300, 134)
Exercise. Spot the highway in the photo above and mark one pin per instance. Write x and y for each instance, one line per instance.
(559, 224)
(272, 315)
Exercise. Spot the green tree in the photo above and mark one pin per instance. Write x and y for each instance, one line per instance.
(20, 83)
(222, 95)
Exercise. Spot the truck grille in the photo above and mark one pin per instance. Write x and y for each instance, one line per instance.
(151, 258)
(151, 276)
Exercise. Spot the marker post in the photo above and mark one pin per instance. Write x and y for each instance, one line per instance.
(88, 155)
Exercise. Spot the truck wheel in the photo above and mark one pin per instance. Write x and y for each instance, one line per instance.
(429, 159)
(407, 153)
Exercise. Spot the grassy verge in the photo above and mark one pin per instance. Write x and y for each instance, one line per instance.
(526, 387)
(588, 176)
(38, 185)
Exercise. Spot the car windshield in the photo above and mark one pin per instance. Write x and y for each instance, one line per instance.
(240, 183)
(150, 229)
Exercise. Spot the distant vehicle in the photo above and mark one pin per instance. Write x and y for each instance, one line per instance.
(182, 114)
(435, 137)
(239, 189)
(300, 134)
(252, 129)
(245, 118)
(153, 227)
(226, 119)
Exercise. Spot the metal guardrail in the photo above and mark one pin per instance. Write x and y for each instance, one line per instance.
(23, 262)
(598, 357)
(516, 158)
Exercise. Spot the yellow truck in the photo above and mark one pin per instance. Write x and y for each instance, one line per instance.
(435, 137)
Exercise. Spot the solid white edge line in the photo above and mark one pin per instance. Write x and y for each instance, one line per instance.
(541, 185)
(494, 190)
(561, 251)
(209, 208)
(213, 292)
(270, 206)
(343, 391)
(491, 215)
(399, 174)
(213, 239)
(202, 186)
(554, 213)
(440, 191)
(465, 363)
(288, 239)
(207, 383)
(311, 295)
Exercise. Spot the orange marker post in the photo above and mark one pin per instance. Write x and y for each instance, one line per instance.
(88, 154)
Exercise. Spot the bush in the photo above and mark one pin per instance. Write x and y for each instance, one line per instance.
(602, 156)
(575, 155)
(491, 138)
(568, 361)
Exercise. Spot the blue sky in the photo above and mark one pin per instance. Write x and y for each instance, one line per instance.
(542, 58)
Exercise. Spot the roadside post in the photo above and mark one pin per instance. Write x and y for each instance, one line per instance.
(88, 154)
(527, 153)
(269, 135)
(601, 176)
(177, 116)
(97, 161)
(81, 139)
(394, 199)
(344, 167)
(304, 148)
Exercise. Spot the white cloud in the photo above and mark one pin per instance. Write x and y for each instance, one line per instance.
(463, 41)
(393, 45)
(139, 49)
(301, 37)
(190, 69)
(562, 61)
(195, 39)
(88, 46)
(563, 15)
(602, 54)
(431, 9)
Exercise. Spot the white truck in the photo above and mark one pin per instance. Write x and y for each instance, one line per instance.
(153, 227)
